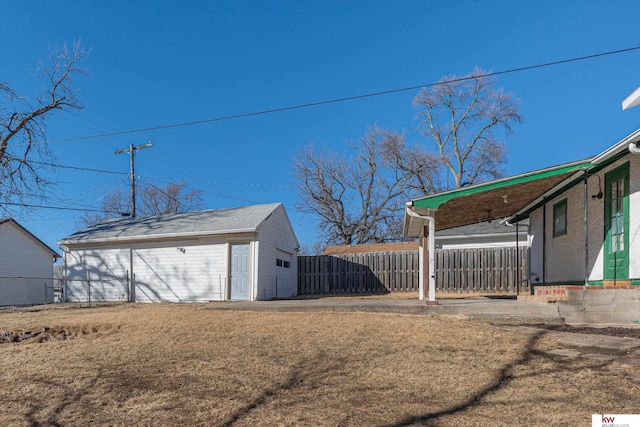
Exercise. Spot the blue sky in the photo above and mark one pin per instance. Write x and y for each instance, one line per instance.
(155, 63)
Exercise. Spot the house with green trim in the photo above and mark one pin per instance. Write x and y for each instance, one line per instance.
(586, 231)
(584, 226)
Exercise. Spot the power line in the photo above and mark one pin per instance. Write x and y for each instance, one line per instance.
(213, 194)
(60, 208)
(78, 168)
(344, 99)
(205, 181)
(52, 200)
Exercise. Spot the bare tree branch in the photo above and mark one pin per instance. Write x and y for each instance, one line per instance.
(359, 199)
(150, 200)
(174, 198)
(478, 116)
(22, 123)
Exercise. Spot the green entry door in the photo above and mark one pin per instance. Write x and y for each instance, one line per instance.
(616, 253)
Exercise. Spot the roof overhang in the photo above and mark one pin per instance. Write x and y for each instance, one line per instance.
(153, 237)
(632, 100)
(619, 148)
(492, 200)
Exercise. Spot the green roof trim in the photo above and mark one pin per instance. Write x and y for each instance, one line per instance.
(434, 201)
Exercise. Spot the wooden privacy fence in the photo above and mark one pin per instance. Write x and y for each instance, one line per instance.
(372, 272)
(484, 270)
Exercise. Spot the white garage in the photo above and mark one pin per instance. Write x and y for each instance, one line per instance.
(244, 253)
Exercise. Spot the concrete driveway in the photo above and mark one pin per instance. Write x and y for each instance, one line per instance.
(497, 311)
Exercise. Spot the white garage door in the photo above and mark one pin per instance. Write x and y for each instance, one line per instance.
(180, 272)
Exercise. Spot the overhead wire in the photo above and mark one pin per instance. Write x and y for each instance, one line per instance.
(78, 168)
(213, 194)
(283, 109)
(343, 99)
(206, 181)
(61, 208)
(159, 178)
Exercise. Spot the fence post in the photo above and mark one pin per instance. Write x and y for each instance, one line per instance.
(89, 288)
(45, 293)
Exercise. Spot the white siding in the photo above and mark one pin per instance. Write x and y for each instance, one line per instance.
(185, 270)
(175, 271)
(277, 239)
(565, 254)
(26, 267)
(484, 241)
(181, 271)
(255, 287)
(100, 271)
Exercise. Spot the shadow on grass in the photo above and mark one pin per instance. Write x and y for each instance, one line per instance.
(502, 379)
(67, 397)
(298, 375)
(293, 379)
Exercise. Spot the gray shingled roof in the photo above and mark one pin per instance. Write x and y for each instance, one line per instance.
(210, 222)
(493, 227)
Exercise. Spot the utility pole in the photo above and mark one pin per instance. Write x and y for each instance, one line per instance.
(132, 151)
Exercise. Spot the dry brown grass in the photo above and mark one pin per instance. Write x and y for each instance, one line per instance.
(187, 365)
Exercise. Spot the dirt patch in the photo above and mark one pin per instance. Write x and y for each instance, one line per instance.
(607, 330)
(43, 334)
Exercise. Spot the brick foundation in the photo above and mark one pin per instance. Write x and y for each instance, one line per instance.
(561, 290)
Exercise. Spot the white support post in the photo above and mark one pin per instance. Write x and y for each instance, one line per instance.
(421, 270)
(432, 258)
(431, 250)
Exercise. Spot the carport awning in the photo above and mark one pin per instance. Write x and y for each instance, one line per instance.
(492, 200)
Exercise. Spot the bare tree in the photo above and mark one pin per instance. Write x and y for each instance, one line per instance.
(150, 200)
(23, 147)
(420, 168)
(174, 198)
(467, 117)
(357, 199)
(115, 204)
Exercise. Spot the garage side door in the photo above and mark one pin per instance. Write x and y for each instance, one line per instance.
(239, 271)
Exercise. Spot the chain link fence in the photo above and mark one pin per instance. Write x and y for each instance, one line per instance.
(35, 291)
(90, 291)
(30, 291)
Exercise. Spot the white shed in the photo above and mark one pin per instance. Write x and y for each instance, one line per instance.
(243, 253)
(26, 266)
